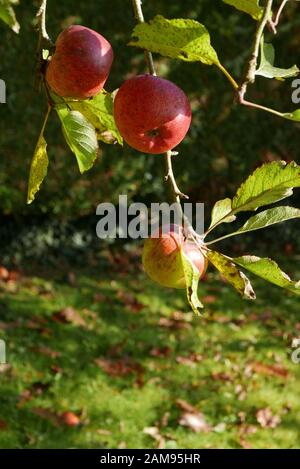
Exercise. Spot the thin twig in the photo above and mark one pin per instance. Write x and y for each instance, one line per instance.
(170, 177)
(244, 102)
(274, 23)
(44, 41)
(252, 65)
(139, 16)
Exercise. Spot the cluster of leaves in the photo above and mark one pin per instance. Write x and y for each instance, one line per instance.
(269, 184)
(83, 123)
(189, 40)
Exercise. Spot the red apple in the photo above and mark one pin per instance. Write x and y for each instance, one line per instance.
(152, 114)
(80, 64)
(162, 259)
(70, 419)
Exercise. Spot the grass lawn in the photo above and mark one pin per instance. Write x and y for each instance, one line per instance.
(127, 359)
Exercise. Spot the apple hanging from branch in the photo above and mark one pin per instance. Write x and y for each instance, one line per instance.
(162, 258)
(152, 114)
(80, 64)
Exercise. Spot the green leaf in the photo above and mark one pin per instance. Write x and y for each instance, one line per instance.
(234, 276)
(268, 184)
(81, 137)
(268, 270)
(267, 69)
(38, 169)
(292, 116)
(7, 14)
(251, 7)
(220, 212)
(269, 217)
(191, 275)
(183, 39)
(99, 112)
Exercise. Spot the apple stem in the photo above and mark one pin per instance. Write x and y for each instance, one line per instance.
(44, 41)
(139, 16)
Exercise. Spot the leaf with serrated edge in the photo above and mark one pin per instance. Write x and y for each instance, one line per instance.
(81, 137)
(38, 169)
(251, 7)
(269, 217)
(267, 69)
(268, 270)
(99, 112)
(268, 184)
(220, 212)
(232, 274)
(7, 14)
(192, 276)
(183, 39)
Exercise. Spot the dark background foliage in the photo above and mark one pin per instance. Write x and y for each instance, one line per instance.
(225, 143)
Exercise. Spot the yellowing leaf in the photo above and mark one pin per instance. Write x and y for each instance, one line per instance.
(268, 270)
(234, 276)
(192, 276)
(38, 169)
(221, 212)
(99, 112)
(251, 7)
(183, 39)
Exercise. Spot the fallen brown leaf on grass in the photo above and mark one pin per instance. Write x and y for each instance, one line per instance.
(269, 370)
(56, 369)
(209, 299)
(103, 432)
(244, 431)
(130, 301)
(155, 434)
(190, 360)
(121, 367)
(36, 389)
(245, 444)
(192, 418)
(47, 351)
(69, 315)
(195, 422)
(39, 324)
(100, 298)
(171, 323)
(225, 377)
(161, 352)
(267, 419)
(47, 414)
